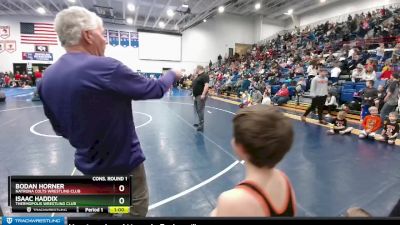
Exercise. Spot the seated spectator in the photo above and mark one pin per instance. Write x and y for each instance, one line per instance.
(330, 58)
(7, 80)
(371, 124)
(339, 124)
(266, 97)
(262, 137)
(380, 52)
(387, 71)
(358, 73)
(218, 87)
(390, 130)
(17, 76)
(282, 96)
(396, 54)
(256, 97)
(368, 96)
(335, 72)
(369, 74)
(245, 100)
(299, 70)
(300, 87)
(330, 104)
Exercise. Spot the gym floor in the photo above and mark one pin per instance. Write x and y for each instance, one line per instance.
(187, 170)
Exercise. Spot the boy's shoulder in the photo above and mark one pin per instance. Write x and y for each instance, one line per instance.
(237, 201)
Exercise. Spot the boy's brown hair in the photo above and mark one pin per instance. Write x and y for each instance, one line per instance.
(265, 134)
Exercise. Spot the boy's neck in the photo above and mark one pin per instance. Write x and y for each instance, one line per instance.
(259, 175)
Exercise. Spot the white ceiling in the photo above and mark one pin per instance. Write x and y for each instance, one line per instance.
(148, 13)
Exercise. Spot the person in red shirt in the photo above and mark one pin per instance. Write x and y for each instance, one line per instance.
(17, 76)
(282, 96)
(387, 71)
(371, 123)
(7, 80)
(38, 74)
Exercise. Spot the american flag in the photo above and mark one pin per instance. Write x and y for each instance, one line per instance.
(38, 33)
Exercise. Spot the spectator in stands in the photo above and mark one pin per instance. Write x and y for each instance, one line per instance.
(330, 58)
(266, 97)
(245, 85)
(245, 100)
(282, 96)
(392, 96)
(330, 104)
(358, 73)
(7, 80)
(299, 70)
(387, 71)
(396, 54)
(300, 87)
(318, 92)
(368, 96)
(312, 71)
(339, 124)
(371, 124)
(390, 129)
(220, 60)
(380, 52)
(256, 96)
(17, 76)
(335, 73)
(379, 101)
(262, 137)
(354, 61)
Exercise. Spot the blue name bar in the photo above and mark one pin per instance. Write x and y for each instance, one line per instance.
(32, 220)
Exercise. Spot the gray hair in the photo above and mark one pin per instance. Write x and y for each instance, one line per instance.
(70, 23)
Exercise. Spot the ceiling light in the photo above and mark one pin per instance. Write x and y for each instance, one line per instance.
(257, 6)
(221, 9)
(129, 21)
(290, 12)
(41, 10)
(131, 7)
(72, 1)
(161, 24)
(170, 12)
(205, 20)
(322, 1)
(185, 6)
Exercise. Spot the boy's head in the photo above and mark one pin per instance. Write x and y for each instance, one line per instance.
(262, 135)
(341, 115)
(381, 87)
(393, 116)
(370, 83)
(373, 110)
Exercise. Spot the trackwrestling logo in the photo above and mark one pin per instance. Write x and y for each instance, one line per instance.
(33, 220)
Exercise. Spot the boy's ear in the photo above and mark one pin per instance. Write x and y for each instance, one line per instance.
(239, 149)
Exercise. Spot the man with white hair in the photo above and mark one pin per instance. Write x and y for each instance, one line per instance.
(87, 98)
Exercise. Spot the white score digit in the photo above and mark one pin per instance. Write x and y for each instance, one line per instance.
(121, 188)
(121, 201)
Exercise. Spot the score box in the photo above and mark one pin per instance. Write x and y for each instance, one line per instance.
(68, 191)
